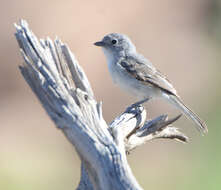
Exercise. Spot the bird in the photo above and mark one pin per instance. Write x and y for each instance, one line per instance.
(135, 74)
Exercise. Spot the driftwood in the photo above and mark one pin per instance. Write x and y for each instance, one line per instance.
(63, 89)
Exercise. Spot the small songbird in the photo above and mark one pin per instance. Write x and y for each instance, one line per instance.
(135, 74)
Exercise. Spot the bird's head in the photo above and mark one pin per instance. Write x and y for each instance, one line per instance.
(115, 44)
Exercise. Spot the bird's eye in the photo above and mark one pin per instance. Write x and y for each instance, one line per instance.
(114, 41)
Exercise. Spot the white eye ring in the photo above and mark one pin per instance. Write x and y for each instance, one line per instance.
(114, 41)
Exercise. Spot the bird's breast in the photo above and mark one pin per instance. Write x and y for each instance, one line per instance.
(130, 84)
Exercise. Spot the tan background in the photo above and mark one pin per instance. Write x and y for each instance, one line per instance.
(181, 38)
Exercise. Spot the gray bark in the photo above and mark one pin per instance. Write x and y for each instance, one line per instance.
(63, 89)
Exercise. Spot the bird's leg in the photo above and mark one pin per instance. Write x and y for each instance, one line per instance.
(140, 102)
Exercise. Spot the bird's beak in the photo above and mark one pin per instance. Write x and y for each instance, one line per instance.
(100, 43)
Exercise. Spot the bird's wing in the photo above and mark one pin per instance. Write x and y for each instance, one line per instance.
(140, 69)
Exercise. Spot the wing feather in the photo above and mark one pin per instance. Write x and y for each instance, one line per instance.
(146, 73)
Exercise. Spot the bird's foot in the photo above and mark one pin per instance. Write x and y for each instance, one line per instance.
(140, 102)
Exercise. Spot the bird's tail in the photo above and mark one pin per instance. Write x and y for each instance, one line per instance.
(176, 101)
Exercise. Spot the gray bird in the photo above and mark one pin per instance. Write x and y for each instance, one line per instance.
(135, 74)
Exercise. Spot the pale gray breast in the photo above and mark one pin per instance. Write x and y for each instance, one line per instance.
(130, 84)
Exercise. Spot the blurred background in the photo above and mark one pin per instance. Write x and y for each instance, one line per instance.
(182, 39)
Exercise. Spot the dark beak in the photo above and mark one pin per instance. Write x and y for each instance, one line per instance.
(100, 43)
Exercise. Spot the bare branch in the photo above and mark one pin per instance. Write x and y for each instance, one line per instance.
(131, 127)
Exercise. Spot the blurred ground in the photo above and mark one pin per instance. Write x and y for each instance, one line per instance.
(182, 39)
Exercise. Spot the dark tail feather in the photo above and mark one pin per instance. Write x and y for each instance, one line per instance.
(176, 101)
